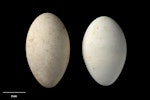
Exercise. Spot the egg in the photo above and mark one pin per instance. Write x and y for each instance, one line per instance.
(47, 49)
(104, 50)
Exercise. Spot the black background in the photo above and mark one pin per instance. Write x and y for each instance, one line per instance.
(16, 18)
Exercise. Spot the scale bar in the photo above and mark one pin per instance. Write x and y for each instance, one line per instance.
(14, 92)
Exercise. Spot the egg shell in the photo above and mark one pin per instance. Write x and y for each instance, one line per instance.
(104, 50)
(47, 49)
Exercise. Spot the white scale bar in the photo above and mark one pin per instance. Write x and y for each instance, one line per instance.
(14, 92)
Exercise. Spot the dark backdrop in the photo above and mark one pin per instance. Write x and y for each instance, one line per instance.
(16, 18)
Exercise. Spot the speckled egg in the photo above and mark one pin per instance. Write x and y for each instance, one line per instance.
(47, 49)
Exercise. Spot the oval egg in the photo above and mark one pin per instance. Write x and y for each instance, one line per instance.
(104, 50)
(47, 49)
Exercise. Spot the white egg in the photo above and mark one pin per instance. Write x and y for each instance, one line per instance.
(104, 50)
(47, 49)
